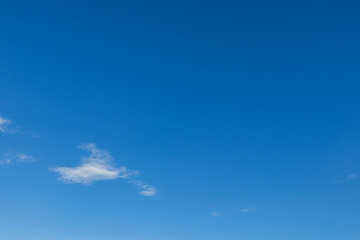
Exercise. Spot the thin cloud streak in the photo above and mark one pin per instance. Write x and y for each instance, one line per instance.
(16, 157)
(99, 166)
(233, 211)
(248, 209)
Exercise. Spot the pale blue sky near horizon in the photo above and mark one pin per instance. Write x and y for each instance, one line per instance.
(144, 120)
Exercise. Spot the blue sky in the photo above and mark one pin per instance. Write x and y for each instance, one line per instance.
(158, 120)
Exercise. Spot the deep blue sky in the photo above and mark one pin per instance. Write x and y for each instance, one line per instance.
(243, 115)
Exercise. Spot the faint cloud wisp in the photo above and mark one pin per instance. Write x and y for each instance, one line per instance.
(7, 126)
(347, 178)
(4, 124)
(233, 211)
(215, 214)
(16, 157)
(351, 177)
(99, 166)
(248, 209)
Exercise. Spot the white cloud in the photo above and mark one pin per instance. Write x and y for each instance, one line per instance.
(145, 189)
(4, 124)
(16, 157)
(98, 166)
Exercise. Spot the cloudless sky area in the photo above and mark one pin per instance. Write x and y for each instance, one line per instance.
(244, 115)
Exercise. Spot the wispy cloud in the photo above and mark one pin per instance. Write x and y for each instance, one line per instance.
(4, 125)
(347, 178)
(248, 209)
(145, 189)
(350, 177)
(99, 166)
(16, 157)
(233, 211)
(7, 126)
(215, 214)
